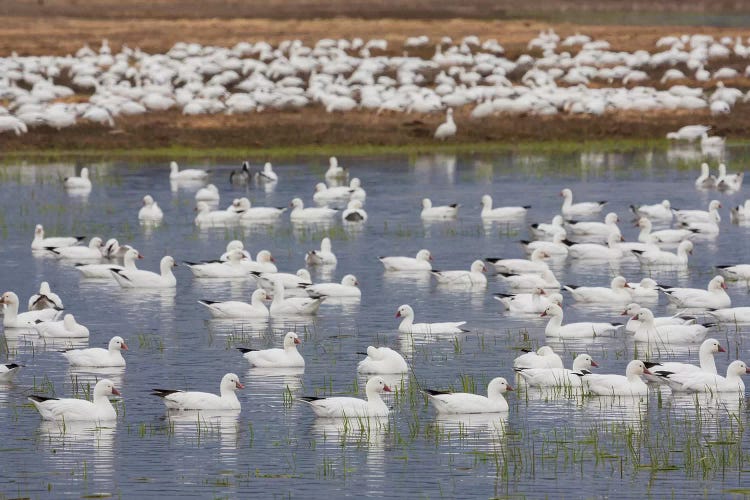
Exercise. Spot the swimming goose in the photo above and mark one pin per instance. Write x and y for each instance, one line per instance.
(207, 217)
(8, 372)
(322, 257)
(555, 328)
(530, 281)
(630, 384)
(602, 229)
(646, 289)
(349, 287)
(13, 319)
(358, 193)
(617, 293)
(657, 257)
(544, 230)
(209, 194)
(714, 297)
(634, 323)
(263, 263)
(249, 213)
(45, 299)
(189, 400)
(97, 357)
(281, 306)
(660, 369)
(731, 314)
(741, 213)
(137, 278)
(736, 272)
(104, 271)
(700, 381)
(346, 407)
(242, 176)
(646, 235)
(68, 327)
(40, 242)
(91, 252)
(594, 251)
(439, 212)
(659, 211)
(558, 377)
(569, 209)
(382, 360)
(188, 174)
(473, 277)
(73, 410)
(267, 174)
(81, 182)
(290, 281)
(354, 212)
(553, 248)
(334, 170)
(407, 324)
(324, 194)
(235, 309)
(705, 180)
(544, 357)
(529, 303)
(419, 263)
(647, 331)
(150, 211)
(535, 263)
(230, 268)
(301, 214)
(501, 213)
(692, 216)
(286, 357)
(464, 402)
(728, 182)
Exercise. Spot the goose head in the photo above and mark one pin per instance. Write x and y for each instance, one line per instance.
(325, 245)
(166, 264)
(426, 203)
(10, 299)
(631, 310)
(355, 183)
(478, 267)
(545, 350)
(265, 256)
(497, 387)
(405, 311)
(84, 173)
(236, 256)
(666, 204)
(648, 284)
(487, 201)
(711, 346)
(69, 321)
(552, 310)
(235, 245)
(558, 220)
(714, 205)
(173, 168)
(645, 316)
(686, 247)
(349, 280)
(39, 231)
(376, 386)
(619, 282)
(117, 343)
(148, 200)
(737, 368)
(230, 383)
(202, 207)
(716, 284)
(259, 295)
(583, 362)
(636, 367)
(104, 388)
(291, 339)
(267, 168)
(333, 163)
(297, 204)
(611, 218)
(567, 194)
(96, 242)
(424, 255)
(320, 187)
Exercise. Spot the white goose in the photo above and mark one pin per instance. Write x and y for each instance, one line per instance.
(188, 174)
(701, 381)
(529, 303)
(335, 171)
(646, 235)
(657, 257)
(263, 263)
(546, 280)
(728, 182)
(731, 314)
(208, 194)
(382, 360)
(553, 248)
(600, 229)
(544, 357)
(74, 410)
(464, 402)
(91, 252)
(251, 214)
(336, 194)
(586, 329)
(235, 309)
(150, 211)
(97, 357)
(45, 299)
(700, 216)
(67, 328)
(646, 289)
(659, 211)
(322, 257)
(661, 369)
(208, 217)
(346, 407)
(41, 243)
(358, 193)
(281, 306)
(736, 272)
(447, 128)
(501, 213)
(714, 297)
(8, 372)
(705, 180)
(632, 310)
(348, 288)
(354, 212)
(286, 357)
(104, 271)
(439, 212)
(544, 230)
(407, 324)
(290, 281)
(570, 209)
(267, 174)
(13, 319)
(647, 331)
(535, 263)
(81, 182)
(189, 400)
(230, 268)
(137, 278)
(617, 293)
(301, 214)
(473, 277)
(558, 377)
(594, 251)
(630, 384)
(419, 263)
(741, 213)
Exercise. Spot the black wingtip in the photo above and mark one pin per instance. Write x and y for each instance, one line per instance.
(243, 350)
(433, 392)
(492, 260)
(310, 399)
(567, 242)
(572, 287)
(11, 366)
(162, 393)
(362, 353)
(526, 206)
(40, 399)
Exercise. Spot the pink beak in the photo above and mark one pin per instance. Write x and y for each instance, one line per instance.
(543, 314)
(398, 314)
(115, 392)
(646, 372)
(124, 346)
(508, 388)
(296, 341)
(386, 389)
(721, 349)
(724, 286)
(593, 363)
(240, 386)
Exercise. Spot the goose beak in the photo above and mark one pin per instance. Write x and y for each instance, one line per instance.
(635, 317)
(593, 363)
(115, 392)
(431, 257)
(721, 349)
(646, 372)
(747, 370)
(124, 346)
(296, 341)
(509, 388)
(624, 313)
(388, 389)
(398, 314)
(544, 313)
(239, 385)
(140, 256)
(724, 286)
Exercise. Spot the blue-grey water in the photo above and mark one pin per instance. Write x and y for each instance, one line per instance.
(557, 447)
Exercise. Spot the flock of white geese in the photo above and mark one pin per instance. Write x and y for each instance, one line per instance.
(536, 291)
(575, 74)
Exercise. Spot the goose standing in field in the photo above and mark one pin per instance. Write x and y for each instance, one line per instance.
(13, 319)
(558, 377)
(348, 288)
(546, 280)
(501, 213)
(554, 248)
(267, 174)
(659, 211)
(45, 299)
(570, 209)
(693, 216)
(242, 176)
(544, 230)
(634, 323)
(705, 180)
(188, 174)
(599, 229)
(447, 128)
(234, 309)
(544, 357)
(266, 281)
(74, 410)
(335, 172)
(714, 297)
(419, 263)
(440, 212)
(657, 257)
(586, 329)
(79, 183)
(209, 194)
(535, 263)
(41, 243)
(208, 217)
(316, 214)
(96, 357)
(700, 381)
(231, 268)
(617, 293)
(473, 277)
(322, 257)
(661, 369)
(594, 251)
(8, 372)
(647, 331)
(529, 303)
(104, 271)
(728, 182)
(354, 212)
(68, 327)
(382, 360)
(407, 324)
(646, 235)
(150, 211)
(91, 252)
(282, 306)
(137, 278)
(464, 402)
(346, 407)
(630, 384)
(286, 357)
(189, 400)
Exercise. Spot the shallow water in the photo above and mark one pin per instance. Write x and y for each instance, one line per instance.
(549, 444)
